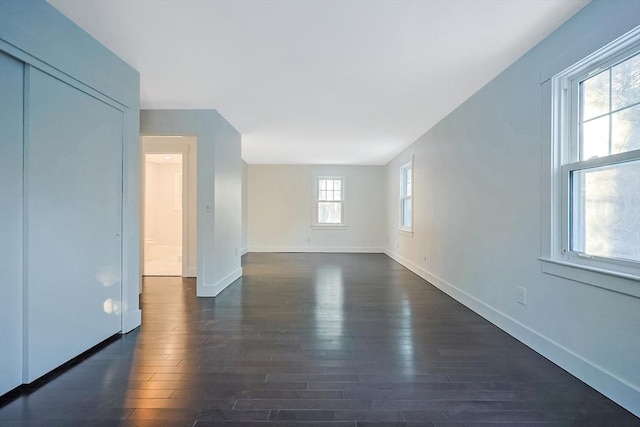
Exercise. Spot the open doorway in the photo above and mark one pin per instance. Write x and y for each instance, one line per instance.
(163, 214)
(168, 217)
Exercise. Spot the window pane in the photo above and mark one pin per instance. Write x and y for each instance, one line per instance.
(337, 184)
(595, 138)
(595, 95)
(625, 83)
(337, 196)
(408, 190)
(605, 211)
(329, 184)
(322, 184)
(322, 195)
(625, 130)
(406, 212)
(329, 212)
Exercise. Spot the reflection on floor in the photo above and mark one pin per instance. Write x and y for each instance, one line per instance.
(311, 339)
(162, 260)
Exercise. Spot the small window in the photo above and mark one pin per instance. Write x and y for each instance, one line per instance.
(598, 141)
(330, 201)
(406, 191)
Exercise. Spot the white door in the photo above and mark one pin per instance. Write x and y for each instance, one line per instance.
(73, 196)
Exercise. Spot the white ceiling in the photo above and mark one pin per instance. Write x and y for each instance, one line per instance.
(312, 82)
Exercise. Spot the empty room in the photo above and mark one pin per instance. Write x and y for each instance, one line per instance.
(332, 213)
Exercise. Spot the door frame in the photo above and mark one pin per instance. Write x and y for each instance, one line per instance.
(187, 146)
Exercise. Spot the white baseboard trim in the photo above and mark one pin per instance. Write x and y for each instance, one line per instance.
(215, 289)
(616, 389)
(244, 250)
(132, 321)
(318, 249)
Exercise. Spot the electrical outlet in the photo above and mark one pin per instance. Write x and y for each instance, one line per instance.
(522, 295)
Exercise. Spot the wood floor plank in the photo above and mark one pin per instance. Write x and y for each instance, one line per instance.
(310, 339)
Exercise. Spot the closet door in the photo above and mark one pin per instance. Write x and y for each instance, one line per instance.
(73, 194)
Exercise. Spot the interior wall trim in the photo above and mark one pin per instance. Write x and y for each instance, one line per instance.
(34, 62)
(616, 389)
(318, 249)
(215, 289)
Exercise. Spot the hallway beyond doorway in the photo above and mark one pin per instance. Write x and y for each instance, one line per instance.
(168, 198)
(163, 214)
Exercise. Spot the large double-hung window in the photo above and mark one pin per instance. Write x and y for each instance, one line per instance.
(406, 196)
(329, 201)
(597, 131)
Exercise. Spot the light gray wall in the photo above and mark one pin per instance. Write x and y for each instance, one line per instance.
(227, 205)
(11, 222)
(281, 203)
(477, 229)
(66, 54)
(219, 190)
(244, 244)
(163, 222)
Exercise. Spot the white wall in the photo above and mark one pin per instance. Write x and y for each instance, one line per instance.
(219, 188)
(163, 222)
(244, 244)
(227, 203)
(150, 201)
(11, 222)
(281, 206)
(477, 229)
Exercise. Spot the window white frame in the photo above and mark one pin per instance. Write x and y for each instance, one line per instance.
(316, 221)
(406, 194)
(558, 258)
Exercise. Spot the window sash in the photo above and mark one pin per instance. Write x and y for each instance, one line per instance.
(572, 129)
(578, 121)
(328, 204)
(566, 171)
(406, 225)
(405, 181)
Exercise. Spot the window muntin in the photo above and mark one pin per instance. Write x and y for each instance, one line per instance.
(330, 201)
(406, 202)
(600, 168)
(609, 103)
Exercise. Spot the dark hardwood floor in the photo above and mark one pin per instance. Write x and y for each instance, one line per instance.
(310, 339)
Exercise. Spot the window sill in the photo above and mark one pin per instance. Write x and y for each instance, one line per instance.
(405, 232)
(329, 227)
(611, 280)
